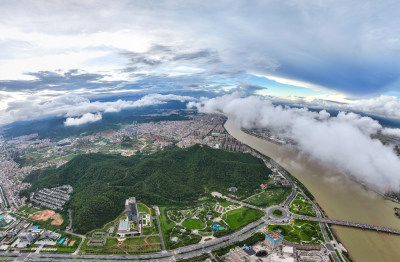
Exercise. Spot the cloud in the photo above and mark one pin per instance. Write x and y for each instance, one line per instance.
(56, 80)
(343, 142)
(76, 106)
(84, 119)
(322, 43)
(383, 105)
(388, 106)
(391, 131)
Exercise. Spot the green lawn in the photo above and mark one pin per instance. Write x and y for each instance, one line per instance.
(109, 248)
(240, 217)
(153, 239)
(270, 197)
(134, 241)
(193, 223)
(225, 204)
(142, 249)
(166, 225)
(142, 208)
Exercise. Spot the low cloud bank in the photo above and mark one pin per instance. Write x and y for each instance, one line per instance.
(72, 106)
(391, 131)
(84, 119)
(343, 141)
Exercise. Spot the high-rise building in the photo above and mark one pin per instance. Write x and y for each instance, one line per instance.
(273, 239)
(131, 209)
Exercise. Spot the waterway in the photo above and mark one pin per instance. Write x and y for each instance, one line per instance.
(340, 197)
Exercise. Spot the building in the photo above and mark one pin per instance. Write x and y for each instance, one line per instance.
(273, 239)
(131, 224)
(233, 189)
(131, 209)
(3, 222)
(237, 255)
(26, 237)
(123, 227)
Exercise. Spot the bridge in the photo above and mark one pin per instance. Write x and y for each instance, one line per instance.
(348, 224)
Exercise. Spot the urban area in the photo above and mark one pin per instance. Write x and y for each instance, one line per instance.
(279, 222)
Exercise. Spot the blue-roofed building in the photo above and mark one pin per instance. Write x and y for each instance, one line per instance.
(273, 239)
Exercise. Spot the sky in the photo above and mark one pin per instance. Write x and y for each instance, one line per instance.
(329, 54)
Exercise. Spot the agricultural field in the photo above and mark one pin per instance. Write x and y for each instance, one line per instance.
(301, 232)
(301, 206)
(269, 197)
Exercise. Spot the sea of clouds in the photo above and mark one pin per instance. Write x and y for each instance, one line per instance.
(343, 141)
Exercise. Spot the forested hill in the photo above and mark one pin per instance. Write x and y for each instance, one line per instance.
(174, 176)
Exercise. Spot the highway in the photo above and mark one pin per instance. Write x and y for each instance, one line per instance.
(206, 247)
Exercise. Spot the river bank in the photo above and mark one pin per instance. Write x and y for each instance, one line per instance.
(340, 197)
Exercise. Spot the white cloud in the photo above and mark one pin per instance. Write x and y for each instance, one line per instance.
(391, 131)
(343, 141)
(362, 56)
(84, 119)
(388, 106)
(75, 106)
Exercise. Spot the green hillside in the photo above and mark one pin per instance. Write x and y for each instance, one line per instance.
(171, 177)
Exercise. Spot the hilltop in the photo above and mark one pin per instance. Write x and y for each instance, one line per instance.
(171, 177)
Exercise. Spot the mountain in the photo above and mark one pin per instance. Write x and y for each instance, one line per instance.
(171, 177)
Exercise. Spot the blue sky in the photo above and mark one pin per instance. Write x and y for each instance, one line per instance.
(346, 51)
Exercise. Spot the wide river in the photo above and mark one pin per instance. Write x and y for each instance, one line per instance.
(340, 197)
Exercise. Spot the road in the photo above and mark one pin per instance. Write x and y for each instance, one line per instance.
(182, 253)
(349, 224)
(206, 247)
(160, 234)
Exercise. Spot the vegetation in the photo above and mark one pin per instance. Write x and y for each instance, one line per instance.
(171, 177)
(397, 212)
(27, 211)
(193, 223)
(240, 217)
(301, 206)
(202, 257)
(277, 212)
(142, 208)
(270, 197)
(302, 232)
(257, 237)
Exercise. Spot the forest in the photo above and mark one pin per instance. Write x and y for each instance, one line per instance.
(174, 176)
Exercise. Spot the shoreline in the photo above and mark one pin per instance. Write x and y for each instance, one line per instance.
(340, 198)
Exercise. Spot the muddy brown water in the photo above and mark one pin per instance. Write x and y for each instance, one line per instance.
(340, 197)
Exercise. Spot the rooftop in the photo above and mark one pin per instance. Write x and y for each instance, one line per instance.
(274, 236)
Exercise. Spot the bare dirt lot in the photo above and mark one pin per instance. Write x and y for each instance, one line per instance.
(46, 215)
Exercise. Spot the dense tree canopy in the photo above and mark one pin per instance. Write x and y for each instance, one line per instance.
(172, 177)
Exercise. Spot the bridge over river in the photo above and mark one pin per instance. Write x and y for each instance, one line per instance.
(348, 224)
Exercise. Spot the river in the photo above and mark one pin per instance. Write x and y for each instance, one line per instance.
(340, 197)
